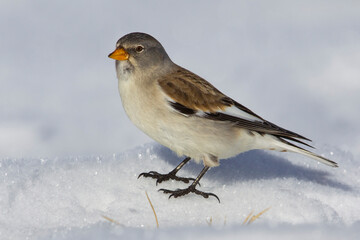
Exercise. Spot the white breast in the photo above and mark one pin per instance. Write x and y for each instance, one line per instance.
(141, 101)
(148, 109)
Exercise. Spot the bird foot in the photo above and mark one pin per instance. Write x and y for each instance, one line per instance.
(191, 189)
(165, 177)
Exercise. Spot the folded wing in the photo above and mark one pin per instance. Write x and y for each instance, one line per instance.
(192, 96)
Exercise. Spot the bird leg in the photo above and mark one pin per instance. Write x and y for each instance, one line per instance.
(171, 175)
(191, 189)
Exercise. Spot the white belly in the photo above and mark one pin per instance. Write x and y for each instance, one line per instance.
(191, 136)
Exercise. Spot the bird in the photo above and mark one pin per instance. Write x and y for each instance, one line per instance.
(187, 114)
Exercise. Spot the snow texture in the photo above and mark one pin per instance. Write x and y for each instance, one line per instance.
(66, 198)
(295, 63)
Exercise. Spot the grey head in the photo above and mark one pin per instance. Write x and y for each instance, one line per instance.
(140, 52)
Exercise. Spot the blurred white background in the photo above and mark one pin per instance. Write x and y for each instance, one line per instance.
(294, 63)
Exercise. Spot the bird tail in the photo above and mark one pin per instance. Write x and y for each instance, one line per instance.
(283, 145)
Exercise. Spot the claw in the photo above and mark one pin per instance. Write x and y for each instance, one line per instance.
(164, 177)
(191, 189)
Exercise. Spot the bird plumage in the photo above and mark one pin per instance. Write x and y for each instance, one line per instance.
(187, 114)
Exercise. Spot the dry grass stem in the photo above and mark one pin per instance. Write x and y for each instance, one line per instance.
(247, 218)
(250, 219)
(112, 220)
(152, 207)
(209, 222)
(258, 215)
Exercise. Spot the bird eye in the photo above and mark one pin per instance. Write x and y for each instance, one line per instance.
(139, 49)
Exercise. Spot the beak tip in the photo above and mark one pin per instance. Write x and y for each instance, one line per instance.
(119, 54)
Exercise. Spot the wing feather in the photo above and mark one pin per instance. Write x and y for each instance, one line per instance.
(191, 95)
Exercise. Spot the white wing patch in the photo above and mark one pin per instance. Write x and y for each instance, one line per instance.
(230, 111)
(236, 112)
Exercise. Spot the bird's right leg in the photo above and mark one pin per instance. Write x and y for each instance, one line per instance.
(171, 175)
(191, 189)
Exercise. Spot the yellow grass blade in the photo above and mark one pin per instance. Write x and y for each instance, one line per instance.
(209, 222)
(253, 218)
(152, 207)
(247, 218)
(112, 220)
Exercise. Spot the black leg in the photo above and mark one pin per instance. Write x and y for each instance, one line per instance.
(171, 175)
(191, 188)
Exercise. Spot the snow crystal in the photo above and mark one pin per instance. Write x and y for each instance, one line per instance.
(64, 198)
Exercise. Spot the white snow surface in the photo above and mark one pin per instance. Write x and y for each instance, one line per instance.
(69, 155)
(67, 198)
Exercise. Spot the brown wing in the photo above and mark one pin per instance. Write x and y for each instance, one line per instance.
(192, 91)
(193, 95)
(196, 93)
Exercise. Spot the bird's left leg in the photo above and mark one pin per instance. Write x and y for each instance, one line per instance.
(171, 175)
(191, 189)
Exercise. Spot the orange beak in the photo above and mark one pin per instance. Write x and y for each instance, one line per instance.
(119, 54)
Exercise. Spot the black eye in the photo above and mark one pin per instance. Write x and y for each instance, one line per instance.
(139, 49)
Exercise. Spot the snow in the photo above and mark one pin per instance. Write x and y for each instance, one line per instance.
(69, 155)
(67, 198)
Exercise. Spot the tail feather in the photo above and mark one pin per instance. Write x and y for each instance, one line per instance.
(318, 157)
(285, 145)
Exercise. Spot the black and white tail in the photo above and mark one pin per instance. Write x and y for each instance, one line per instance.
(282, 145)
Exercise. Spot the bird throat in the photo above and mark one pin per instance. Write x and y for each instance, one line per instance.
(124, 69)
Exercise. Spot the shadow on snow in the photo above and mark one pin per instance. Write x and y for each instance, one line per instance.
(253, 165)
